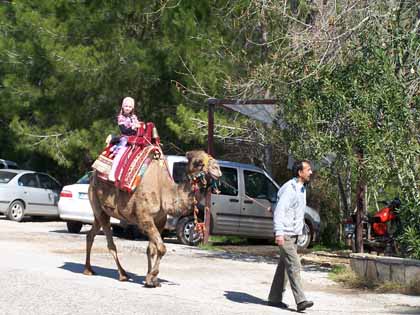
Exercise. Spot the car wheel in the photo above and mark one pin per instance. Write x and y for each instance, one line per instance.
(16, 211)
(304, 240)
(185, 230)
(74, 226)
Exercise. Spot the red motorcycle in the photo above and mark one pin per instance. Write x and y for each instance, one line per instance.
(378, 229)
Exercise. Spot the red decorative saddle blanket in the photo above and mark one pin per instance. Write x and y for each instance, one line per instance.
(140, 151)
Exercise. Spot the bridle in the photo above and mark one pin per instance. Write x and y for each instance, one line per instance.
(199, 181)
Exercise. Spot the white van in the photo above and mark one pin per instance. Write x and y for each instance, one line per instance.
(241, 207)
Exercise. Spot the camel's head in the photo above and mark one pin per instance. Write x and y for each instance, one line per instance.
(202, 165)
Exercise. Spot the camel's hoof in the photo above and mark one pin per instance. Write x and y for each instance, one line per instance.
(151, 285)
(89, 272)
(124, 278)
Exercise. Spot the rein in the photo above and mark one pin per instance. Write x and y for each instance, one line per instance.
(195, 180)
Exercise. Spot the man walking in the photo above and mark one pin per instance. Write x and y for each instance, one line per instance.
(288, 220)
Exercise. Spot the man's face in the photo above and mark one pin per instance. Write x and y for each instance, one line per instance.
(305, 173)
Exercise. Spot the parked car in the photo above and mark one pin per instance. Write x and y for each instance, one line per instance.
(241, 207)
(28, 193)
(8, 164)
(74, 206)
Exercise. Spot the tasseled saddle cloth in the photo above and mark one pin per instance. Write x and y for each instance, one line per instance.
(141, 150)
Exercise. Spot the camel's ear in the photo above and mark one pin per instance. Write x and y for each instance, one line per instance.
(189, 155)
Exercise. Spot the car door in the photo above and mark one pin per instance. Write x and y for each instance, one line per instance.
(259, 194)
(226, 206)
(32, 194)
(49, 191)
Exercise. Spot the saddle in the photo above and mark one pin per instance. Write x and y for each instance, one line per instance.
(140, 151)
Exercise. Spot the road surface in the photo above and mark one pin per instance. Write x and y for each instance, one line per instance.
(41, 269)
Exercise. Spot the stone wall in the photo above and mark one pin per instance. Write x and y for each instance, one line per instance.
(380, 268)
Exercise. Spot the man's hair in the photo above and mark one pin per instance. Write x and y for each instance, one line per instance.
(298, 166)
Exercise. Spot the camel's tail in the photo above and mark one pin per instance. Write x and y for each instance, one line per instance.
(93, 178)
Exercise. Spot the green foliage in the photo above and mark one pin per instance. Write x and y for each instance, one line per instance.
(190, 126)
(66, 66)
(410, 237)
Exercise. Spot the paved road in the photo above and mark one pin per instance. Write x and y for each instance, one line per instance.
(41, 273)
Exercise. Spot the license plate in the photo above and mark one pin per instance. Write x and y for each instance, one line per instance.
(83, 196)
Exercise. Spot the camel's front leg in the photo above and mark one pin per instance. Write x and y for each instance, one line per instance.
(89, 242)
(106, 226)
(155, 252)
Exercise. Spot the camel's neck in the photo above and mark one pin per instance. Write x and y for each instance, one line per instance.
(182, 199)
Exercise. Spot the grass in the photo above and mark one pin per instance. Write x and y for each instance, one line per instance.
(344, 275)
(227, 240)
(215, 241)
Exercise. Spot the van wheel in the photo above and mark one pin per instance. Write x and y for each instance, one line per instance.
(74, 226)
(16, 211)
(185, 230)
(305, 239)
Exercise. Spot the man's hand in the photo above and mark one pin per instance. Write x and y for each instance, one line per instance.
(280, 240)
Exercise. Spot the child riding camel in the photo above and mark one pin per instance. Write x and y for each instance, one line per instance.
(128, 124)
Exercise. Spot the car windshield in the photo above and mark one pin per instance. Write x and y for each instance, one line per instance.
(6, 177)
(84, 179)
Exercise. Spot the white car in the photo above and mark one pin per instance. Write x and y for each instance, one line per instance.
(74, 206)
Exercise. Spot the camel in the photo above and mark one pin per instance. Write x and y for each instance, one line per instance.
(148, 207)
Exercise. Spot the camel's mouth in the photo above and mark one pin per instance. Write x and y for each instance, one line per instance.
(214, 169)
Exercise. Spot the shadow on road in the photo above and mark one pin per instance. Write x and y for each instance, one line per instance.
(241, 257)
(241, 297)
(106, 272)
(245, 298)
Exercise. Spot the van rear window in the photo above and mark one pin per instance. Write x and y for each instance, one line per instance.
(179, 172)
(6, 177)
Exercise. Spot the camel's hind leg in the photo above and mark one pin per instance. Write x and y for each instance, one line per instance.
(155, 252)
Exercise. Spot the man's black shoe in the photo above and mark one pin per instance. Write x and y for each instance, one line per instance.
(304, 305)
(278, 304)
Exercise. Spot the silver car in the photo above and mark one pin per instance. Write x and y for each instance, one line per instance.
(28, 193)
(8, 164)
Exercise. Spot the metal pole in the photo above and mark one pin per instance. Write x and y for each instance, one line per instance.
(210, 131)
